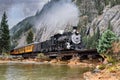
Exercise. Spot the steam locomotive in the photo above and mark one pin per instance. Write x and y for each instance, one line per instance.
(58, 42)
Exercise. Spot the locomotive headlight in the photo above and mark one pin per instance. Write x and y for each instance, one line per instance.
(76, 39)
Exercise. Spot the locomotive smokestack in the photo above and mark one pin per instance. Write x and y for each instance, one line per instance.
(74, 29)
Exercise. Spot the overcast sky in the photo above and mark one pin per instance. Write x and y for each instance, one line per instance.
(17, 10)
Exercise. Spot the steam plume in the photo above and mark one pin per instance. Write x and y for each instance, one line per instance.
(56, 15)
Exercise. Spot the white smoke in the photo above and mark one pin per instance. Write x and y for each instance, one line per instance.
(57, 15)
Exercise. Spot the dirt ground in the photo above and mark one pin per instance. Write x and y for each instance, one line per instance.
(103, 74)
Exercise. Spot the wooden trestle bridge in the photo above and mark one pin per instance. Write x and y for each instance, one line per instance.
(89, 53)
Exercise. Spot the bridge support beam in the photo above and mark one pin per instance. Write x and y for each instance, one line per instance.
(90, 57)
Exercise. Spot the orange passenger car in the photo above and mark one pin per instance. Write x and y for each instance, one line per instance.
(29, 48)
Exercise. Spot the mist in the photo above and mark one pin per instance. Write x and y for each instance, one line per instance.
(57, 15)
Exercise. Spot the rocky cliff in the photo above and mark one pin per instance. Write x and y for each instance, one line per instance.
(110, 17)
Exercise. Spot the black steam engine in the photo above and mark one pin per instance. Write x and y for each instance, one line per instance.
(62, 41)
(59, 42)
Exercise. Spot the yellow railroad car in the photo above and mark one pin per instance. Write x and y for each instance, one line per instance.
(16, 51)
(29, 48)
(21, 50)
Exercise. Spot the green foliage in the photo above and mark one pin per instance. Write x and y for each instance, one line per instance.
(113, 68)
(91, 41)
(99, 6)
(101, 67)
(117, 2)
(95, 38)
(29, 38)
(83, 31)
(105, 42)
(5, 55)
(4, 35)
(114, 2)
(41, 56)
(110, 59)
(100, 9)
(78, 2)
(106, 2)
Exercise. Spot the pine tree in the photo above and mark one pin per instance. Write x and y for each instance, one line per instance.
(99, 7)
(29, 38)
(106, 2)
(94, 38)
(0, 39)
(105, 42)
(97, 34)
(5, 37)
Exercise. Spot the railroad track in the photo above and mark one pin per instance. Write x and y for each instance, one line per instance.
(73, 52)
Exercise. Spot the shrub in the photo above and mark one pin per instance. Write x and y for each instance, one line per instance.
(41, 56)
(110, 59)
(92, 41)
(101, 67)
(105, 42)
(113, 67)
(105, 45)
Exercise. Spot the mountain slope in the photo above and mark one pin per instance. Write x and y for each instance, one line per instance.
(110, 16)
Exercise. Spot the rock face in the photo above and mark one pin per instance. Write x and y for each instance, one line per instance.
(110, 16)
(87, 7)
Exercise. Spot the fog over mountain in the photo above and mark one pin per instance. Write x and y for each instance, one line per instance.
(17, 10)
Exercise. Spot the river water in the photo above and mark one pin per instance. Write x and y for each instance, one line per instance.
(14, 71)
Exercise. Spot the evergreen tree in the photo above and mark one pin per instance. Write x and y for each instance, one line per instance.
(92, 41)
(29, 38)
(99, 6)
(106, 2)
(95, 38)
(105, 42)
(97, 34)
(0, 39)
(4, 35)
